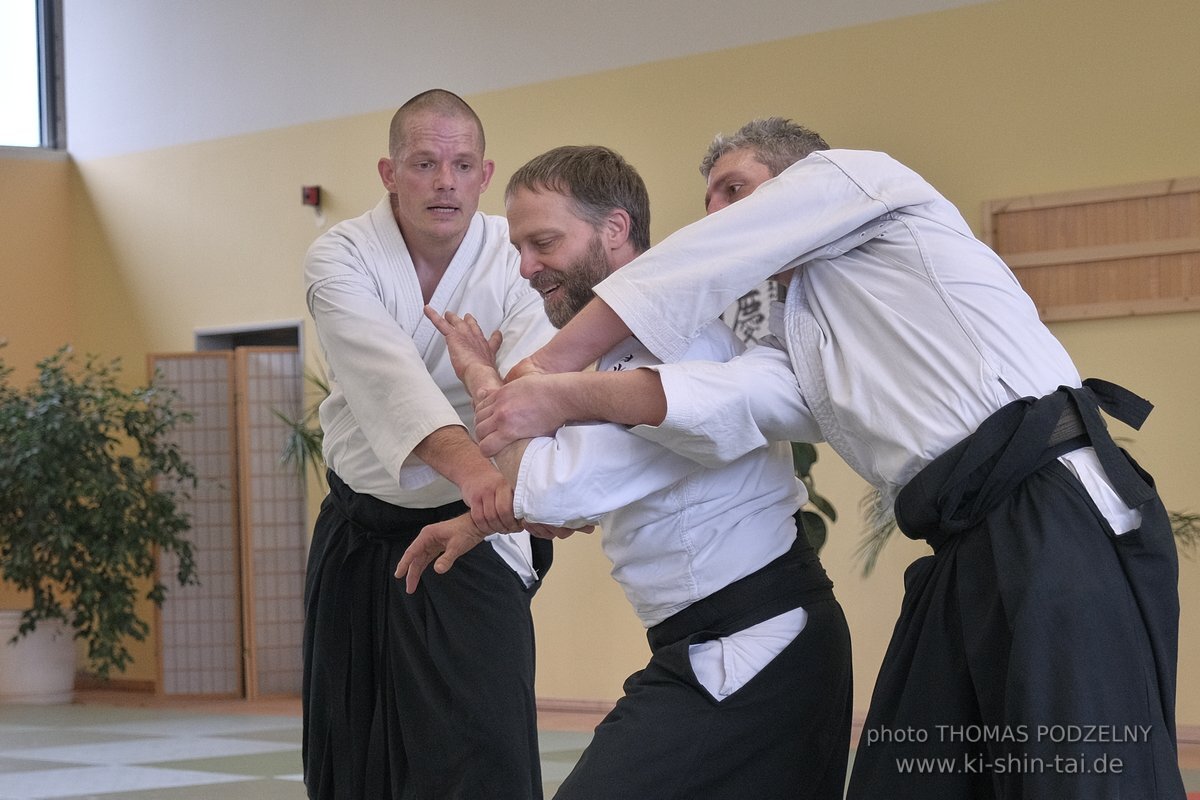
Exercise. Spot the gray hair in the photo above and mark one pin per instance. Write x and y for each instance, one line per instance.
(776, 142)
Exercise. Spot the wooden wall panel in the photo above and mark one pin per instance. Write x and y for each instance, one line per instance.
(1103, 252)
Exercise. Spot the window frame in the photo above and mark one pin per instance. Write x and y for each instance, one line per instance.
(51, 83)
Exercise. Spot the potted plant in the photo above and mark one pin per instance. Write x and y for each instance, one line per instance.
(90, 484)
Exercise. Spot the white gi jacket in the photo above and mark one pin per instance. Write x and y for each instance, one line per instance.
(902, 330)
(675, 531)
(391, 382)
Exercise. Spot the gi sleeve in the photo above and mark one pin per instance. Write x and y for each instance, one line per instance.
(385, 381)
(820, 207)
(586, 471)
(719, 412)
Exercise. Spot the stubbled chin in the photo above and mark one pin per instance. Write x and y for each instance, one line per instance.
(550, 301)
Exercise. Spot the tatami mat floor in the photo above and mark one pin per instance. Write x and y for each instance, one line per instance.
(232, 751)
(109, 748)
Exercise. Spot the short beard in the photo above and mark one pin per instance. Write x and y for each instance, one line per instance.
(577, 280)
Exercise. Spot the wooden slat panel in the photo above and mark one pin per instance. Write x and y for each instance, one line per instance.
(1110, 252)
(1103, 252)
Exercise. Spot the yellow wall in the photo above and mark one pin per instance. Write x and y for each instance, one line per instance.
(37, 304)
(1004, 98)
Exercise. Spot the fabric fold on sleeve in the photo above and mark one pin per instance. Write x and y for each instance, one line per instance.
(719, 412)
(820, 206)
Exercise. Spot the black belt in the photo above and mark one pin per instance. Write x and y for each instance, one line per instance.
(379, 519)
(792, 580)
(1070, 426)
(957, 489)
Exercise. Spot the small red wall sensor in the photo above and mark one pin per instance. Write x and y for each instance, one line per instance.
(311, 195)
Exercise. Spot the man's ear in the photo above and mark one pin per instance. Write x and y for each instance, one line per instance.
(616, 228)
(387, 174)
(488, 167)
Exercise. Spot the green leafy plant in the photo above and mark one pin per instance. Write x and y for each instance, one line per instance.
(302, 445)
(880, 525)
(804, 455)
(1187, 531)
(90, 483)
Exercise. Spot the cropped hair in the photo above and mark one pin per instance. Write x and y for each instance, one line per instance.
(596, 179)
(776, 142)
(438, 101)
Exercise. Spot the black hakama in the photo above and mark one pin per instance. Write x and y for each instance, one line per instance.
(426, 696)
(784, 734)
(1035, 653)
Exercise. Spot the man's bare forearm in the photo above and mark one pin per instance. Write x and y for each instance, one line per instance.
(451, 452)
(484, 489)
(479, 381)
(630, 397)
(590, 334)
(508, 460)
(538, 405)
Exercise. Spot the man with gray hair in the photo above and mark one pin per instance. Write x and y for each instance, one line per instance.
(761, 149)
(733, 167)
(1049, 606)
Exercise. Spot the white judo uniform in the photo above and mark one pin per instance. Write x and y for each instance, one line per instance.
(678, 534)
(901, 336)
(383, 667)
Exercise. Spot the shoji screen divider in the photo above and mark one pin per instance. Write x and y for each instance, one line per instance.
(200, 626)
(237, 633)
(274, 542)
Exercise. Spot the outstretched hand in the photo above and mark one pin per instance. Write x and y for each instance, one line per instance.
(472, 354)
(444, 541)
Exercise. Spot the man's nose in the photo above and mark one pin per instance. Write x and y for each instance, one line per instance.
(530, 265)
(446, 177)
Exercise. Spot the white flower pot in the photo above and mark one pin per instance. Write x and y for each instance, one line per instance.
(38, 668)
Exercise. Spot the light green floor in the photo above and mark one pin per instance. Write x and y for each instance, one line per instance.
(78, 752)
(96, 752)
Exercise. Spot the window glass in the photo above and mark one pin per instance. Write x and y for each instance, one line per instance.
(20, 115)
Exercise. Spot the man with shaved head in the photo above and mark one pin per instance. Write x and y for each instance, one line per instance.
(428, 695)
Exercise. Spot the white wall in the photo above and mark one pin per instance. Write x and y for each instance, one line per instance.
(145, 74)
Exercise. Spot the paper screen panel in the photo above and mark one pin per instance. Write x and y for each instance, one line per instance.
(200, 625)
(273, 522)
